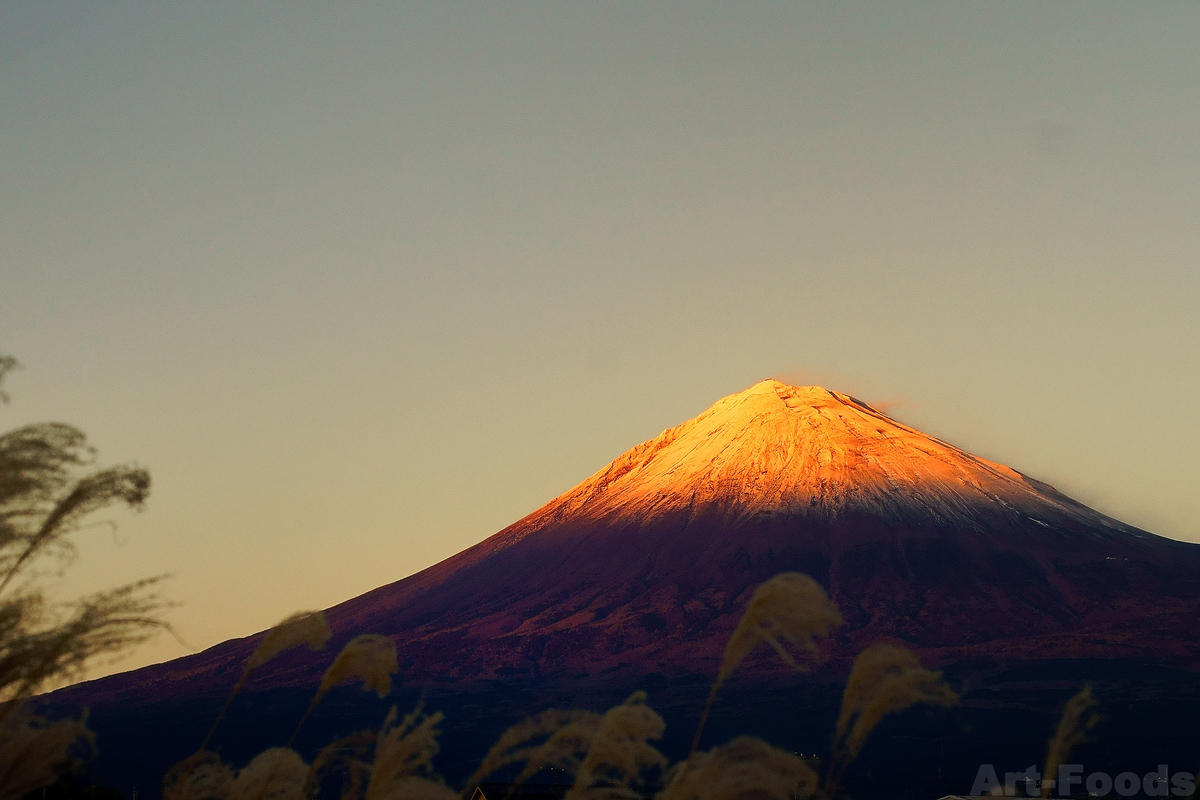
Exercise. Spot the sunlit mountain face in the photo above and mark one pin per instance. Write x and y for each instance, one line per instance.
(638, 574)
(650, 560)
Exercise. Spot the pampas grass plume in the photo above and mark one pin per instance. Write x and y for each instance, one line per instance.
(1078, 718)
(369, 658)
(885, 679)
(790, 607)
(278, 773)
(200, 777)
(743, 768)
(610, 748)
(349, 754)
(34, 751)
(620, 751)
(404, 758)
(564, 748)
(515, 745)
(306, 627)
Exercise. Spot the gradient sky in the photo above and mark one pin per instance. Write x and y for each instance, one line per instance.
(362, 283)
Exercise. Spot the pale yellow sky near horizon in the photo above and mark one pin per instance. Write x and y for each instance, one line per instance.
(361, 284)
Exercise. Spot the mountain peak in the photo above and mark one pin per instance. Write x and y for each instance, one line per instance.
(774, 385)
(792, 397)
(769, 385)
(774, 449)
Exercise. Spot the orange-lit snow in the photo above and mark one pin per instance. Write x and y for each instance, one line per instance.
(775, 447)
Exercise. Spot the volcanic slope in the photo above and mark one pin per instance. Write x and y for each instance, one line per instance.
(646, 565)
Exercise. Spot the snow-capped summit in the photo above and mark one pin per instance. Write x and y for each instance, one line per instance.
(780, 449)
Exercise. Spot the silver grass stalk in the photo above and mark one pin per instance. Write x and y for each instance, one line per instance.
(620, 750)
(517, 744)
(278, 773)
(564, 748)
(1078, 718)
(349, 753)
(306, 627)
(404, 759)
(789, 608)
(34, 751)
(201, 776)
(369, 658)
(885, 679)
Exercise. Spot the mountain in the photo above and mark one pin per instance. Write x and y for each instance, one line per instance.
(644, 568)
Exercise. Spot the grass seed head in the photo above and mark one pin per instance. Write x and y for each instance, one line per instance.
(306, 627)
(275, 774)
(564, 748)
(885, 679)
(199, 777)
(369, 658)
(349, 754)
(1078, 718)
(404, 751)
(743, 769)
(520, 743)
(790, 607)
(620, 750)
